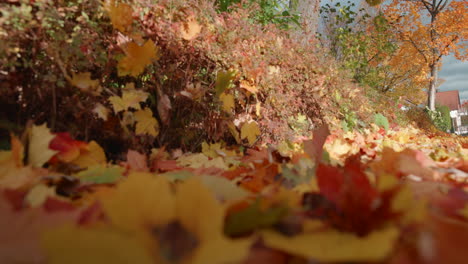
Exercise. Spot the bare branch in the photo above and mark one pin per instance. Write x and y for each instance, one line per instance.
(441, 5)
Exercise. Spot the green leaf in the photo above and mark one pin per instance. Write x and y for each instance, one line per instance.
(100, 175)
(381, 121)
(174, 176)
(224, 81)
(253, 217)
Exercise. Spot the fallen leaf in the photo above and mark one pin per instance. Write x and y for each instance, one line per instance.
(246, 85)
(164, 107)
(250, 131)
(228, 102)
(39, 140)
(129, 99)
(314, 147)
(83, 81)
(137, 161)
(71, 244)
(404, 163)
(101, 111)
(190, 29)
(68, 148)
(93, 155)
(146, 123)
(225, 190)
(137, 58)
(13, 175)
(252, 217)
(120, 14)
(100, 175)
(234, 132)
(130, 208)
(224, 81)
(201, 214)
(335, 246)
(38, 195)
(21, 230)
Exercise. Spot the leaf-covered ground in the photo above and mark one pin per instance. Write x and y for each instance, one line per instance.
(376, 196)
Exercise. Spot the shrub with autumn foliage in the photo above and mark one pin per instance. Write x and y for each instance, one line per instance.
(154, 73)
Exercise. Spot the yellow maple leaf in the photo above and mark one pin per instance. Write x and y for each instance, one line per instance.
(101, 111)
(234, 132)
(258, 107)
(120, 15)
(224, 81)
(201, 214)
(146, 123)
(216, 150)
(246, 85)
(38, 194)
(412, 209)
(224, 189)
(12, 176)
(340, 148)
(228, 101)
(12, 173)
(129, 99)
(76, 245)
(190, 160)
(190, 29)
(39, 140)
(335, 246)
(250, 131)
(93, 155)
(137, 58)
(83, 81)
(192, 208)
(132, 212)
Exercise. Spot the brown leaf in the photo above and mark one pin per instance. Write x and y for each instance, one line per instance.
(136, 161)
(190, 29)
(20, 231)
(314, 147)
(164, 107)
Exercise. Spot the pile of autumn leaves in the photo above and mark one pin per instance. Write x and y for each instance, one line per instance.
(374, 196)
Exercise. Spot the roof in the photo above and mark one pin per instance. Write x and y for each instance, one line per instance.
(449, 98)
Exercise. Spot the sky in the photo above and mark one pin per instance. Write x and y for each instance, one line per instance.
(455, 74)
(453, 71)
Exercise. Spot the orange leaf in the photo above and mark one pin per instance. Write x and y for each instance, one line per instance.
(190, 29)
(137, 58)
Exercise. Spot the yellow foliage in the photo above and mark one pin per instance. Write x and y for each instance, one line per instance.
(146, 123)
(75, 245)
(129, 99)
(190, 29)
(228, 101)
(250, 131)
(137, 58)
(39, 140)
(120, 15)
(101, 111)
(94, 155)
(38, 194)
(192, 205)
(83, 81)
(335, 246)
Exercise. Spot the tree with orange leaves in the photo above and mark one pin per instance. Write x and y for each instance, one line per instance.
(429, 30)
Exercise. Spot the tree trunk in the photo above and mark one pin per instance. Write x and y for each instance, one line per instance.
(435, 56)
(308, 10)
(431, 93)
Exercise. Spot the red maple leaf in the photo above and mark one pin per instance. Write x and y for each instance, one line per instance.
(348, 200)
(68, 148)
